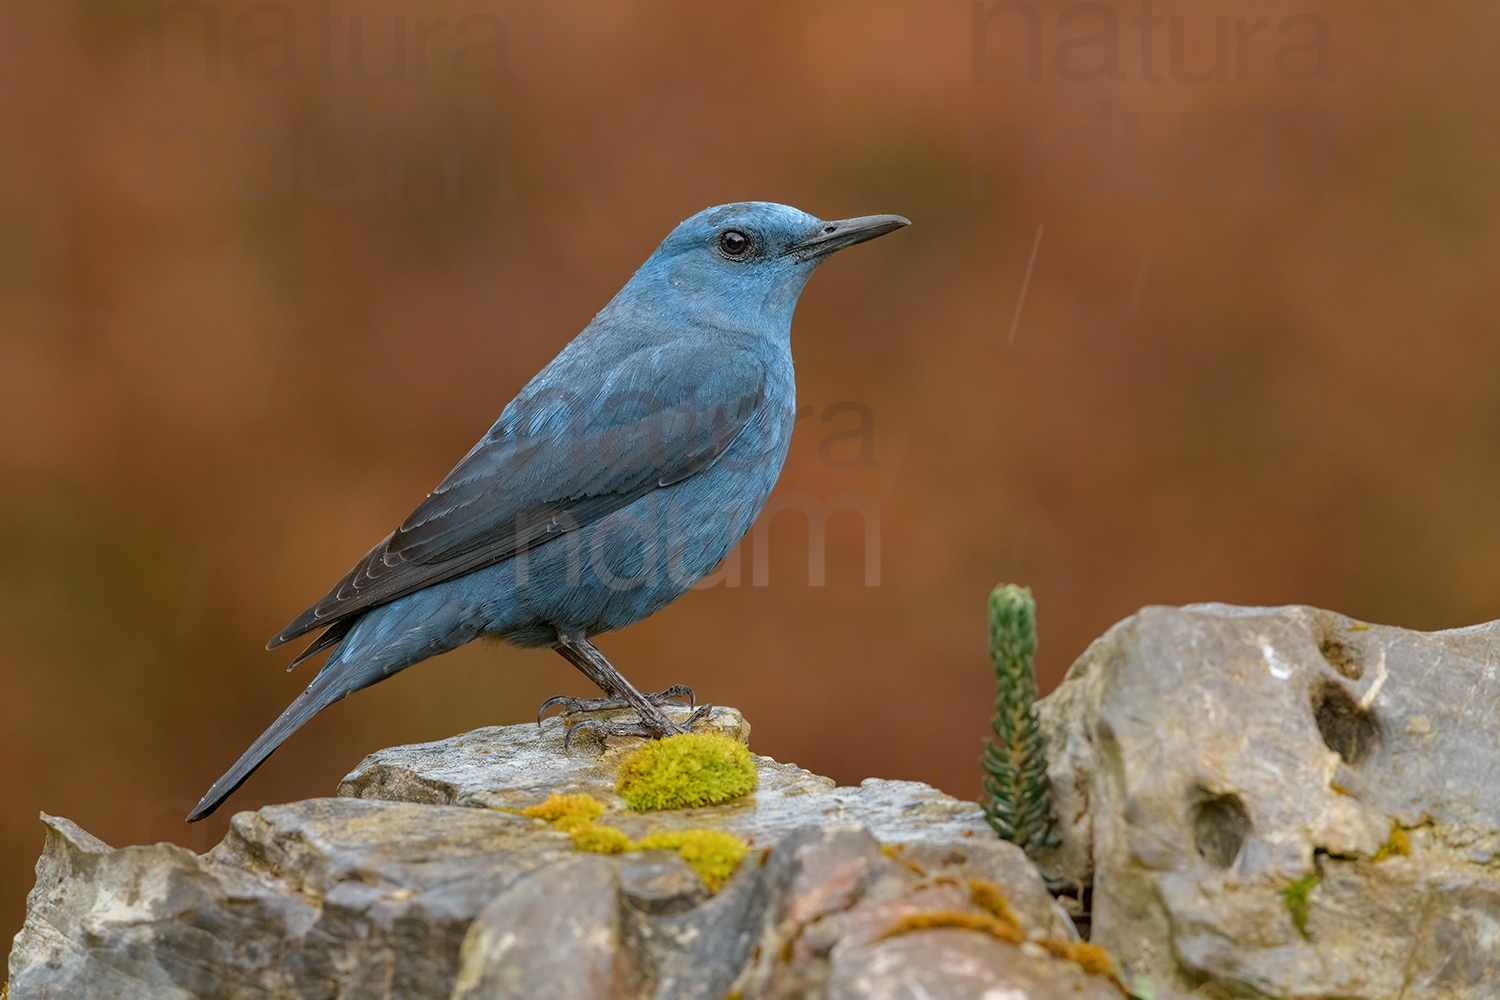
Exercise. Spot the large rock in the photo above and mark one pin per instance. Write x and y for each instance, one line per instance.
(1224, 774)
(323, 898)
(410, 886)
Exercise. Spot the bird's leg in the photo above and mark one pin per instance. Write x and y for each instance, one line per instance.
(619, 693)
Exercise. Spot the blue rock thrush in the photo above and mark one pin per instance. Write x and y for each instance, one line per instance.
(620, 476)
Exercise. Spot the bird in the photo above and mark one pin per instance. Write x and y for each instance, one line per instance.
(617, 478)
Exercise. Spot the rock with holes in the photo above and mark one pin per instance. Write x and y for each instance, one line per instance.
(1286, 802)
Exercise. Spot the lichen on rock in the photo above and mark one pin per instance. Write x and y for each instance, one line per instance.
(928, 920)
(1397, 845)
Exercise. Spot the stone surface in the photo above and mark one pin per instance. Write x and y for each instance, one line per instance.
(323, 898)
(835, 892)
(1207, 757)
(557, 932)
(959, 965)
(509, 767)
(408, 887)
(659, 882)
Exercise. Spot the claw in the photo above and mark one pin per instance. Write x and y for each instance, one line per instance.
(588, 726)
(557, 699)
(676, 691)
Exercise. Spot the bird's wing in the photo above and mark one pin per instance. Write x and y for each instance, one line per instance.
(557, 460)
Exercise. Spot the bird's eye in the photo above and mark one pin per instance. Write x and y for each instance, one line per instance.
(734, 243)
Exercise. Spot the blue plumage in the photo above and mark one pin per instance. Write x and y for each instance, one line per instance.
(618, 477)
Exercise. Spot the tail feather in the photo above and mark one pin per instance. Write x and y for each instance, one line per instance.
(380, 643)
(325, 689)
(332, 636)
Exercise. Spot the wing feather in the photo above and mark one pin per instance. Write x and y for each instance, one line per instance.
(556, 462)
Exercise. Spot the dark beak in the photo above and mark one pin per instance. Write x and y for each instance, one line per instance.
(832, 237)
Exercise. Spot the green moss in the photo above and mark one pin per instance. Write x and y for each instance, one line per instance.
(714, 855)
(1397, 844)
(1297, 902)
(566, 812)
(694, 769)
(597, 839)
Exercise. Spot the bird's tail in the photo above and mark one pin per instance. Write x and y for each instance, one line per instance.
(334, 682)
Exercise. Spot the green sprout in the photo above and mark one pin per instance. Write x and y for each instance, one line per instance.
(1017, 794)
(1297, 902)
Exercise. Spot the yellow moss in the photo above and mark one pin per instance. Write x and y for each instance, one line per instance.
(957, 919)
(988, 896)
(893, 851)
(597, 839)
(1396, 844)
(713, 854)
(1089, 957)
(694, 769)
(1001, 922)
(566, 812)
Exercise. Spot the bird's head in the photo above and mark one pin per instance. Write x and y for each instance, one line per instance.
(746, 263)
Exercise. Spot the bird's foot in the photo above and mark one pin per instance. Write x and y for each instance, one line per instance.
(643, 725)
(649, 722)
(575, 706)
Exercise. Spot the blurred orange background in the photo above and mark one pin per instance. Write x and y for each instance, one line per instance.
(263, 281)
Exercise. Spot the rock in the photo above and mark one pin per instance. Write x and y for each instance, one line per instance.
(959, 965)
(557, 932)
(1224, 773)
(328, 897)
(659, 883)
(508, 767)
(413, 884)
(825, 893)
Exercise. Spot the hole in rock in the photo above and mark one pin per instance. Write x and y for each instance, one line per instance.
(1344, 659)
(1220, 826)
(1347, 729)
